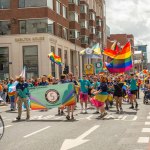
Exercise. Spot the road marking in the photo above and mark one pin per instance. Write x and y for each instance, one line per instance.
(80, 118)
(146, 130)
(36, 132)
(57, 118)
(147, 123)
(89, 118)
(124, 118)
(119, 117)
(143, 140)
(8, 126)
(48, 117)
(71, 143)
(135, 118)
(148, 117)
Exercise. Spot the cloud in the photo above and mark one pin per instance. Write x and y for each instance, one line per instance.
(131, 17)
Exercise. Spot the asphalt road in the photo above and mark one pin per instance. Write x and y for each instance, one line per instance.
(47, 131)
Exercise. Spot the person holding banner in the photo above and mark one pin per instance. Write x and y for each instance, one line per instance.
(23, 94)
(84, 84)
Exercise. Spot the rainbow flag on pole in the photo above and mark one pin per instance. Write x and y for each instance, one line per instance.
(54, 58)
(122, 62)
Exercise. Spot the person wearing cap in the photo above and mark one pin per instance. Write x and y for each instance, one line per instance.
(23, 94)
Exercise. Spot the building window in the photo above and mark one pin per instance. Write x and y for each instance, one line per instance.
(52, 63)
(92, 16)
(59, 54)
(84, 24)
(4, 63)
(84, 40)
(35, 3)
(73, 16)
(5, 27)
(58, 7)
(74, 2)
(30, 60)
(36, 26)
(50, 4)
(84, 9)
(99, 34)
(98, 22)
(59, 30)
(74, 34)
(65, 33)
(4, 4)
(93, 30)
(64, 12)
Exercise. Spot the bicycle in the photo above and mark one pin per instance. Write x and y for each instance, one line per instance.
(1, 127)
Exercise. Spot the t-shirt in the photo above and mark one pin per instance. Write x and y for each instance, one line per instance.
(95, 85)
(133, 85)
(1, 88)
(84, 84)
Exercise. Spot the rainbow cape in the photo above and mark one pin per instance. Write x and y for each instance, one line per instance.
(122, 62)
(54, 58)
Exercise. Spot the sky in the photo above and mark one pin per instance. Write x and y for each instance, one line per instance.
(131, 17)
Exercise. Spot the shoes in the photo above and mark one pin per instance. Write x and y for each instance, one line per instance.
(86, 112)
(72, 117)
(28, 118)
(62, 113)
(18, 118)
(136, 106)
(121, 110)
(68, 117)
(132, 107)
(117, 112)
(96, 112)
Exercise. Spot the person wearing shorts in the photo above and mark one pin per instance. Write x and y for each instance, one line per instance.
(84, 84)
(133, 90)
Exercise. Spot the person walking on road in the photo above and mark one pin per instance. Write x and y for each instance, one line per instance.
(23, 94)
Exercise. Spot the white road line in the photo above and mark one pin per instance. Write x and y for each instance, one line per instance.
(36, 132)
(119, 117)
(146, 130)
(148, 117)
(80, 118)
(135, 118)
(48, 117)
(147, 123)
(124, 117)
(8, 126)
(89, 118)
(57, 118)
(143, 140)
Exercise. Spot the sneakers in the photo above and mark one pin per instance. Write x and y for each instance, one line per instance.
(28, 118)
(97, 112)
(68, 117)
(136, 106)
(121, 110)
(132, 107)
(102, 115)
(117, 112)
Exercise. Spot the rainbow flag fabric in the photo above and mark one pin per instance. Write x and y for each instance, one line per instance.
(122, 62)
(54, 58)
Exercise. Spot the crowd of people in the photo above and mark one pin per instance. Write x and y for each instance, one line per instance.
(100, 91)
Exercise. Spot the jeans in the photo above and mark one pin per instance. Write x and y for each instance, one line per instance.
(12, 102)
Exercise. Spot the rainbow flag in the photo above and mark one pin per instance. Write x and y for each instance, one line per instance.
(54, 58)
(122, 62)
(96, 49)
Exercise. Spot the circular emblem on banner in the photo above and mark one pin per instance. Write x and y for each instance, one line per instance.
(52, 96)
(88, 51)
(98, 65)
(88, 67)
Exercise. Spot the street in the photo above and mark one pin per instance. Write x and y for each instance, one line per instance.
(47, 131)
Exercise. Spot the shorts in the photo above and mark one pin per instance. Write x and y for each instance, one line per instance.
(133, 92)
(96, 103)
(83, 97)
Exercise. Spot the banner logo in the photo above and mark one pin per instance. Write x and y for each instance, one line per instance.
(52, 96)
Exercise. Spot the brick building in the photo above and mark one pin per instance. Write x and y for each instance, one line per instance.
(30, 29)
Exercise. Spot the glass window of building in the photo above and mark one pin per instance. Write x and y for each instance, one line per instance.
(58, 7)
(92, 16)
(64, 12)
(4, 4)
(99, 34)
(50, 4)
(98, 22)
(59, 30)
(65, 33)
(84, 9)
(52, 63)
(93, 30)
(74, 34)
(84, 40)
(5, 27)
(73, 16)
(4, 63)
(33, 3)
(74, 2)
(36, 26)
(30, 60)
(84, 24)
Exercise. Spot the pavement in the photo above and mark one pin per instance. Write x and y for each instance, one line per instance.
(47, 131)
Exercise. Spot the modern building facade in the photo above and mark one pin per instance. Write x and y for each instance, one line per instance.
(30, 29)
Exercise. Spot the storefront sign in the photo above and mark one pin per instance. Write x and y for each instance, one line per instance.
(89, 69)
(33, 39)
